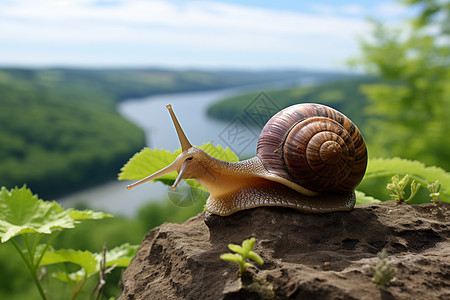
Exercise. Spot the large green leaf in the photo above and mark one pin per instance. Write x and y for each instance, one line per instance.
(149, 161)
(362, 198)
(89, 262)
(84, 259)
(22, 212)
(380, 167)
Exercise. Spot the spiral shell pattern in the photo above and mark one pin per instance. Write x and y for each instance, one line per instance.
(315, 146)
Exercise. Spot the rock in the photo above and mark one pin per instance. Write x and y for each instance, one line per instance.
(306, 256)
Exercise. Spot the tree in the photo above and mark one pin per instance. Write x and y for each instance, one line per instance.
(409, 111)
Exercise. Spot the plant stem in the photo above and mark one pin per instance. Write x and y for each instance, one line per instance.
(242, 267)
(31, 267)
(78, 288)
(50, 241)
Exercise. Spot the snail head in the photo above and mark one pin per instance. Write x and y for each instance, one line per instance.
(188, 164)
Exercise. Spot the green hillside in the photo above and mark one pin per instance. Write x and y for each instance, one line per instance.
(344, 96)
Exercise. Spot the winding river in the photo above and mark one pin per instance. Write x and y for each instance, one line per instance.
(151, 115)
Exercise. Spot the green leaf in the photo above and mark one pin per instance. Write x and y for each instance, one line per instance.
(248, 245)
(89, 262)
(87, 214)
(219, 153)
(22, 212)
(236, 248)
(84, 259)
(254, 256)
(147, 162)
(381, 167)
(362, 198)
(236, 258)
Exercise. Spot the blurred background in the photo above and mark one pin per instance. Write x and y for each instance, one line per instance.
(83, 86)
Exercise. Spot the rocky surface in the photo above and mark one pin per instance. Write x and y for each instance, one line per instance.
(306, 256)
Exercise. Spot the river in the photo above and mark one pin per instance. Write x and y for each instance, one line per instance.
(151, 115)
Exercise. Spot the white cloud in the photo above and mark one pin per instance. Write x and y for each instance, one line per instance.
(199, 26)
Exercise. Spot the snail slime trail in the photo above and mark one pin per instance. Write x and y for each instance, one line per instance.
(309, 157)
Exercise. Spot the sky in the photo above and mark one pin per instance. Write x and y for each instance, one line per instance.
(257, 34)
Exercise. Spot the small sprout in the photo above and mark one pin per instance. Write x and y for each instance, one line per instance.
(434, 189)
(242, 253)
(398, 186)
(414, 189)
(382, 272)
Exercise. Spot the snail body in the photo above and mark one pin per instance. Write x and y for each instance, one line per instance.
(309, 157)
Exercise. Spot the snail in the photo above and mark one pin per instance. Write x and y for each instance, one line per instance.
(309, 157)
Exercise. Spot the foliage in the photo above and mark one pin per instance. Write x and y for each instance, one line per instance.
(25, 219)
(407, 113)
(388, 167)
(242, 254)
(89, 263)
(362, 198)
(382, 272)
(397, 187)
(149, 161)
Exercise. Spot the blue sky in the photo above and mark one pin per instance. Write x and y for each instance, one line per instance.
(256, 34)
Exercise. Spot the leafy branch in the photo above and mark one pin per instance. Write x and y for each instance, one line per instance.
(25, 220)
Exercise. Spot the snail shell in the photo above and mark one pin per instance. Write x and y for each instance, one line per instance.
(315, 146)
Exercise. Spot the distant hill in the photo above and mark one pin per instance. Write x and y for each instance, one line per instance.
(59, 128)
(340, 93)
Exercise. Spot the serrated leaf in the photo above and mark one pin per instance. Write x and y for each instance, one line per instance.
(84, 259)
(87, 214)
(22, 212)
(219, 153)
(147, 162)
(380, 167)
(362, 198)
